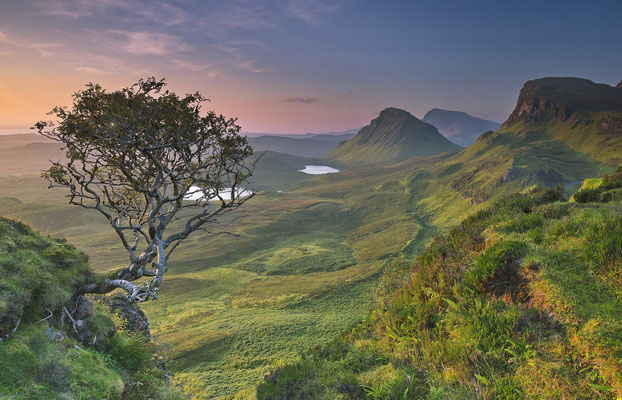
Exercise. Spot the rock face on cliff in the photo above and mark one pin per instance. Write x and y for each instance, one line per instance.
(563, 98)
(394, 136)
(459, 127)
(562, 130)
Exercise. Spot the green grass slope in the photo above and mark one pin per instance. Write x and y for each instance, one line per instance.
(395, 208)
(394, 136)
(233, 308)
(278, 171)
(40, 277)
(519, 301)
(563, 130)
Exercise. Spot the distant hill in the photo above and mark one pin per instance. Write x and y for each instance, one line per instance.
(307, 145)
(394, 136)
(306, 135)
(459, 127)
(21, 139)
(27, 154)
(327, 136)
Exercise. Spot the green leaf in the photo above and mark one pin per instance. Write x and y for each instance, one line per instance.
(600, 387)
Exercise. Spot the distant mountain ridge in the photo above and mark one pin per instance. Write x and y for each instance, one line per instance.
(306, 135)
(314, 146)
(562, 130)
(459, 127)
(394, 136)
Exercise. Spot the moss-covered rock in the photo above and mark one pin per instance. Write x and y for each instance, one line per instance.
(58, 343)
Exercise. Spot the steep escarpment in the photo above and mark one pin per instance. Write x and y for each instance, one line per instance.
(561, 131)
(394, 136)
(563, 99)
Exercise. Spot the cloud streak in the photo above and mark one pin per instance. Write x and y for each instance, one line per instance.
(312, 11)
(237, 57)
(90, 70)
(43, 49)
(303, 100)
(150, 43)
(159, 12)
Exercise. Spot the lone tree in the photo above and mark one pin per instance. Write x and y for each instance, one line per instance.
(150, 163)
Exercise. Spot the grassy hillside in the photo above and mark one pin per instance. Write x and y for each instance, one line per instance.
(394, 136)
(233, 308)
(308, 259)
(41, 358)
(537, 145)
(459, 127)
(521, 300)
(278, 171)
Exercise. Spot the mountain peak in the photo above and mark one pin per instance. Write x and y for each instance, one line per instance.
(394, 126)
(394, 112)
(441, 111)
(394, 136)
(561, 98)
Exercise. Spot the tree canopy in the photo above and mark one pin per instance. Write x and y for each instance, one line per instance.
(154, 165)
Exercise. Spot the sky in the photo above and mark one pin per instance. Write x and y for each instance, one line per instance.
(294, 66)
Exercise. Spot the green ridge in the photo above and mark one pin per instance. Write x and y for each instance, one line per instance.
(521, 300)
(394, 136)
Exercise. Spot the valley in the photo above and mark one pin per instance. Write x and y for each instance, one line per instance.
(315, 253)
(302, 271)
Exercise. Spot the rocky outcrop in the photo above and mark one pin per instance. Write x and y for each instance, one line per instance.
(510, 174)
(531, 106)
(564, 98)
(135, 319)
(619, 85)
(610, 124)
(53, 335)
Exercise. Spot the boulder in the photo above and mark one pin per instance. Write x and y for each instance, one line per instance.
(82, 331)
(134, 317)
(54, 335)
(85, 308)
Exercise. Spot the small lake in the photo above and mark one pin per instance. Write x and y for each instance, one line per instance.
(318, 170)
(197, 194)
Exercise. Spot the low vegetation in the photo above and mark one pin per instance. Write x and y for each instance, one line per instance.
(520, 300)
(40, 354)
(606, 189)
